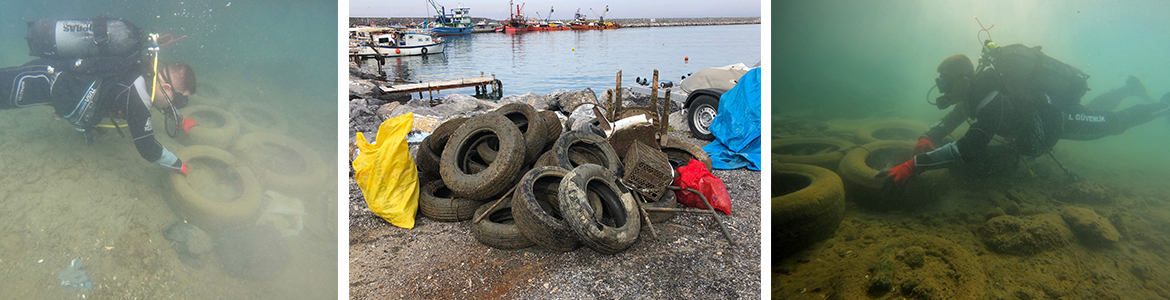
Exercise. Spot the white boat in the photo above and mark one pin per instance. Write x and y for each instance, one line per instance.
(393, 42)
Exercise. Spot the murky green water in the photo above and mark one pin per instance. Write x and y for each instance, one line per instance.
(62, 199)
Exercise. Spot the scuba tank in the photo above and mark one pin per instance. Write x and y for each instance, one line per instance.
(83, 38)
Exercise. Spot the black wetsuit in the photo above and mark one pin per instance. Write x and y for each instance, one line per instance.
(1030, 124)
(85, 98)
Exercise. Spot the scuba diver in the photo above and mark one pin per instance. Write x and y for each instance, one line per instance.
(89, 70)
(1028, 99)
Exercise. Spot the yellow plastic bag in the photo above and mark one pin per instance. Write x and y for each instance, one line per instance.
(386, 173)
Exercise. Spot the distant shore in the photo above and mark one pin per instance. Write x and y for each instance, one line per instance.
(629, 23)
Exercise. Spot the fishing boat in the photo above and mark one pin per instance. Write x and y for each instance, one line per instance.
(580, 23)
(392, 42)
(458, 22)
(484, 26)
(516, 22)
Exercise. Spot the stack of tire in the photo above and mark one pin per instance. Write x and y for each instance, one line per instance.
(250, 153)
(565, 190)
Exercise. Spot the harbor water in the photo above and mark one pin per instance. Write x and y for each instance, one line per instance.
(107, 207)
(542, 62)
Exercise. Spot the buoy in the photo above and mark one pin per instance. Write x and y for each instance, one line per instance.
(686, 58)
(397, 51)
(574, 49)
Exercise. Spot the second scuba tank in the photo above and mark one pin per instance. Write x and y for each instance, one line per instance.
(82, 38)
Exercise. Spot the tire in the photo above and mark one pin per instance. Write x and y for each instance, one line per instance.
(497, 177)
(531, 126)
(808, 203)
(683, 151)
(576, 148)
(700, 114)
(255, 117)
(435, 201)
(858, 172)
(208, 211)
(216, 127)
(607, 222)
(424, 50)
(548, 159)
(301, 177)
(552, 128)
(890, 130)
(487, 148)
(821, 152)
(498, 229)
(668, 200)
(426, 159)
(440, 135)
(538, 213)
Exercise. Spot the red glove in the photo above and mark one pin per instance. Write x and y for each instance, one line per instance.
(901, 173)
(923, 146)
(183, 169)
(187, 124)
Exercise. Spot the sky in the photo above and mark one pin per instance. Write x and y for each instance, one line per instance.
(498, 9)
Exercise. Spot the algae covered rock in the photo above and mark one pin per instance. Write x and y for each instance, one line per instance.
(1093, 229)
(1027, 235)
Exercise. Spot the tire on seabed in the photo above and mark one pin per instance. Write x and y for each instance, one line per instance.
(536, 207)
(220, 133)
(436, 202)
(498, 176)
(530, 124)
(249, 113)
(595, 150)
(808, 203)
(206, 212)
(889, 130)
(608, 222)
(829, 154)
(682, 150)
(253, 149)
(498, 229)
(865, 189)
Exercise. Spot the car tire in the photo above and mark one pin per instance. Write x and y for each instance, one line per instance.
(808, 203)
(437, 202)
(576, 148)
(700, 114)
(255, 117)
(608, 222)
(536, 207)
(889, 130)
(530, 124)
(428, 161)
(496, 177)
(216, 127)
(826, 152)
(209, 211)
(498, 229)
(303, 179)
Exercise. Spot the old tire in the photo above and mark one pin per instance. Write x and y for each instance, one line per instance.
(548, 159)
(216, 127)
(860, 167)
(700, 114)
(487, 148)
(890, 130)
(679, 150)
(531, 126)
(609, 224)
(498, 229)
(577, 148)
(426, 159)
(499, 175)
(255, 117)
(552, 128)
(668, 200)
(808, 203)
(282, 163)
(437, 202)
(208, 211)
(538, 213)
(821, 152)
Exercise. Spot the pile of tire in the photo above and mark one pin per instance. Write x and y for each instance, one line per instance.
(564, 186)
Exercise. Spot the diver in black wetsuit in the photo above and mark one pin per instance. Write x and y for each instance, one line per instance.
(1030, 122)
(86, 90)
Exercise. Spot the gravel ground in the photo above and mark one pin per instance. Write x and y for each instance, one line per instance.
(691, 259)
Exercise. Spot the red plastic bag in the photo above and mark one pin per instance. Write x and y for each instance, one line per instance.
(695, 175)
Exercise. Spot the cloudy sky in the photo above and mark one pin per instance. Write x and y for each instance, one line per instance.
(498, 9)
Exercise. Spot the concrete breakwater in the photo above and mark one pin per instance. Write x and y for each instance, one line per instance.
(633, 22)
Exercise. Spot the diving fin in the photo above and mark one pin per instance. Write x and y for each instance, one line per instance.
(1137, 88)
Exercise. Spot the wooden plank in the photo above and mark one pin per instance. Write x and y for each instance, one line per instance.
(435, 86)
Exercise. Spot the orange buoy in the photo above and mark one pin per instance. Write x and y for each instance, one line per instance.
(686, 58)
(397, 51)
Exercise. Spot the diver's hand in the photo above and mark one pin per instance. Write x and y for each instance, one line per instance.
(183, 170)
(186, 125)
(900, 174)
(924, 145)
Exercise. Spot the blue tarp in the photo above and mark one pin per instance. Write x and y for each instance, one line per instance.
(737, 126)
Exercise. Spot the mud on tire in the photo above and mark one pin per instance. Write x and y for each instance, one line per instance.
(808, 203)
(537, 210)
(530, 124)
(499, 175)
(596, 210)
(437, 202)
(498, 229)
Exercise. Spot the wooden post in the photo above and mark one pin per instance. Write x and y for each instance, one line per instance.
(617, 97)
(654, 95)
